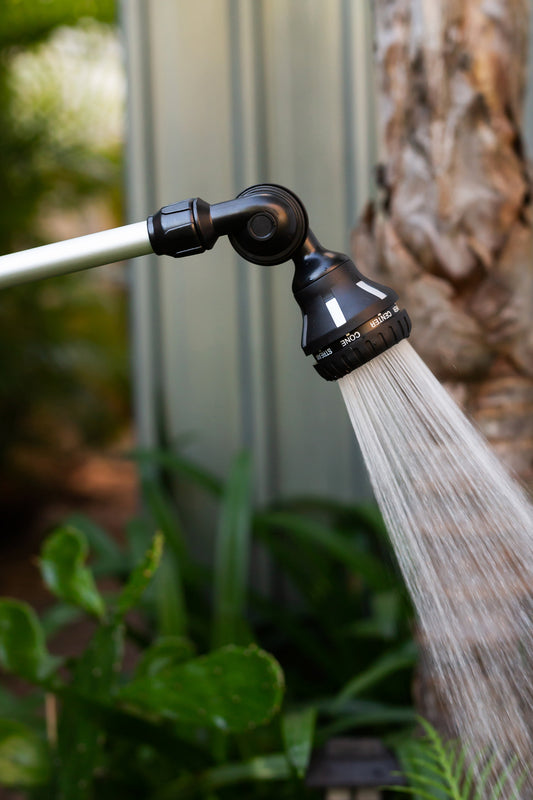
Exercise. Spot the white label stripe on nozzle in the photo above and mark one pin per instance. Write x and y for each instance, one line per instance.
(371, 289)
(335, 311)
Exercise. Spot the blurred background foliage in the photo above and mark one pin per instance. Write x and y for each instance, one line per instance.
(63, 341)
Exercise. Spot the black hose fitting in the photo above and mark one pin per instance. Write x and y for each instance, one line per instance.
(347, 318)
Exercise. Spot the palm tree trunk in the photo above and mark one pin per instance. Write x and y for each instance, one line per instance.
(452, 232)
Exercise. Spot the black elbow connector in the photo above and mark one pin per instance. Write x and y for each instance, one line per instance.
(347, 318)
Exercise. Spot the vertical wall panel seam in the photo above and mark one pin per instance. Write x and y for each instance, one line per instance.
(143, 313)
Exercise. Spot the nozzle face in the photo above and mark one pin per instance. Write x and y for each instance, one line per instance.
(362, 344)
(347, 318)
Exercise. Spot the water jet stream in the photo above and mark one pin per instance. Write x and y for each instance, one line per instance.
(462, 530)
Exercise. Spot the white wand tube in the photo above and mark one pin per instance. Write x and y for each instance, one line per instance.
(73, 255)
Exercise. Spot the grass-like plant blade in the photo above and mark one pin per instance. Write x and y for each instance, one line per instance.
(140, 578)
(274, 767)
(169, 584)
(378, 717)
(171, 612)
(232, 555)
(298, 728)
(182, 466)
(401, 658)
(165, 517)
(333, 542)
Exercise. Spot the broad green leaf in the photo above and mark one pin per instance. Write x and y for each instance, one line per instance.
(233, 689)
(163, 655)
(232, 556)
(22, 645)
(140, 577)
(24, 758)
(62, 562)
(298, 729)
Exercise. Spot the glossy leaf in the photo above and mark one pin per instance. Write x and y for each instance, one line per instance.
(233, 689)
(24, 757)
(62, 563)
(22, 645)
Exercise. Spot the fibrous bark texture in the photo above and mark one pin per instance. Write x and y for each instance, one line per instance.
(453, 229)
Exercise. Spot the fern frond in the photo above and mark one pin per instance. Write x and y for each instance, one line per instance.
(519, 783)
(438, 770)
(504, 778)
(484, 778)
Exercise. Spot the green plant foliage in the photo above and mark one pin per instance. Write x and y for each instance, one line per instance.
(63, 569)
(140, 577)
(186, 720)
(232, 556)
(438, 770)
(22, 645)
(63, 343)
(268, 768)
(27, 21)
(232, 689)
(163, 655)
(24, 757)
(388, 664)
(298, 729)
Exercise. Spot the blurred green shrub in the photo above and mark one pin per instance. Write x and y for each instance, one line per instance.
(62, 341)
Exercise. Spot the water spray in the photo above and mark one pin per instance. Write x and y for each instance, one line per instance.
(347, 318)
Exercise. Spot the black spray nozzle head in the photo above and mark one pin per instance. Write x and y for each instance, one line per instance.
(347, 318)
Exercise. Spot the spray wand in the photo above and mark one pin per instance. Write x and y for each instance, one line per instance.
(347, 318)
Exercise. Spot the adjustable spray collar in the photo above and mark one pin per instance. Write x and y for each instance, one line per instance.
(347, 318)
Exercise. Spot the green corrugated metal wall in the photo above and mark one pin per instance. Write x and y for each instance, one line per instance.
(224, 94)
